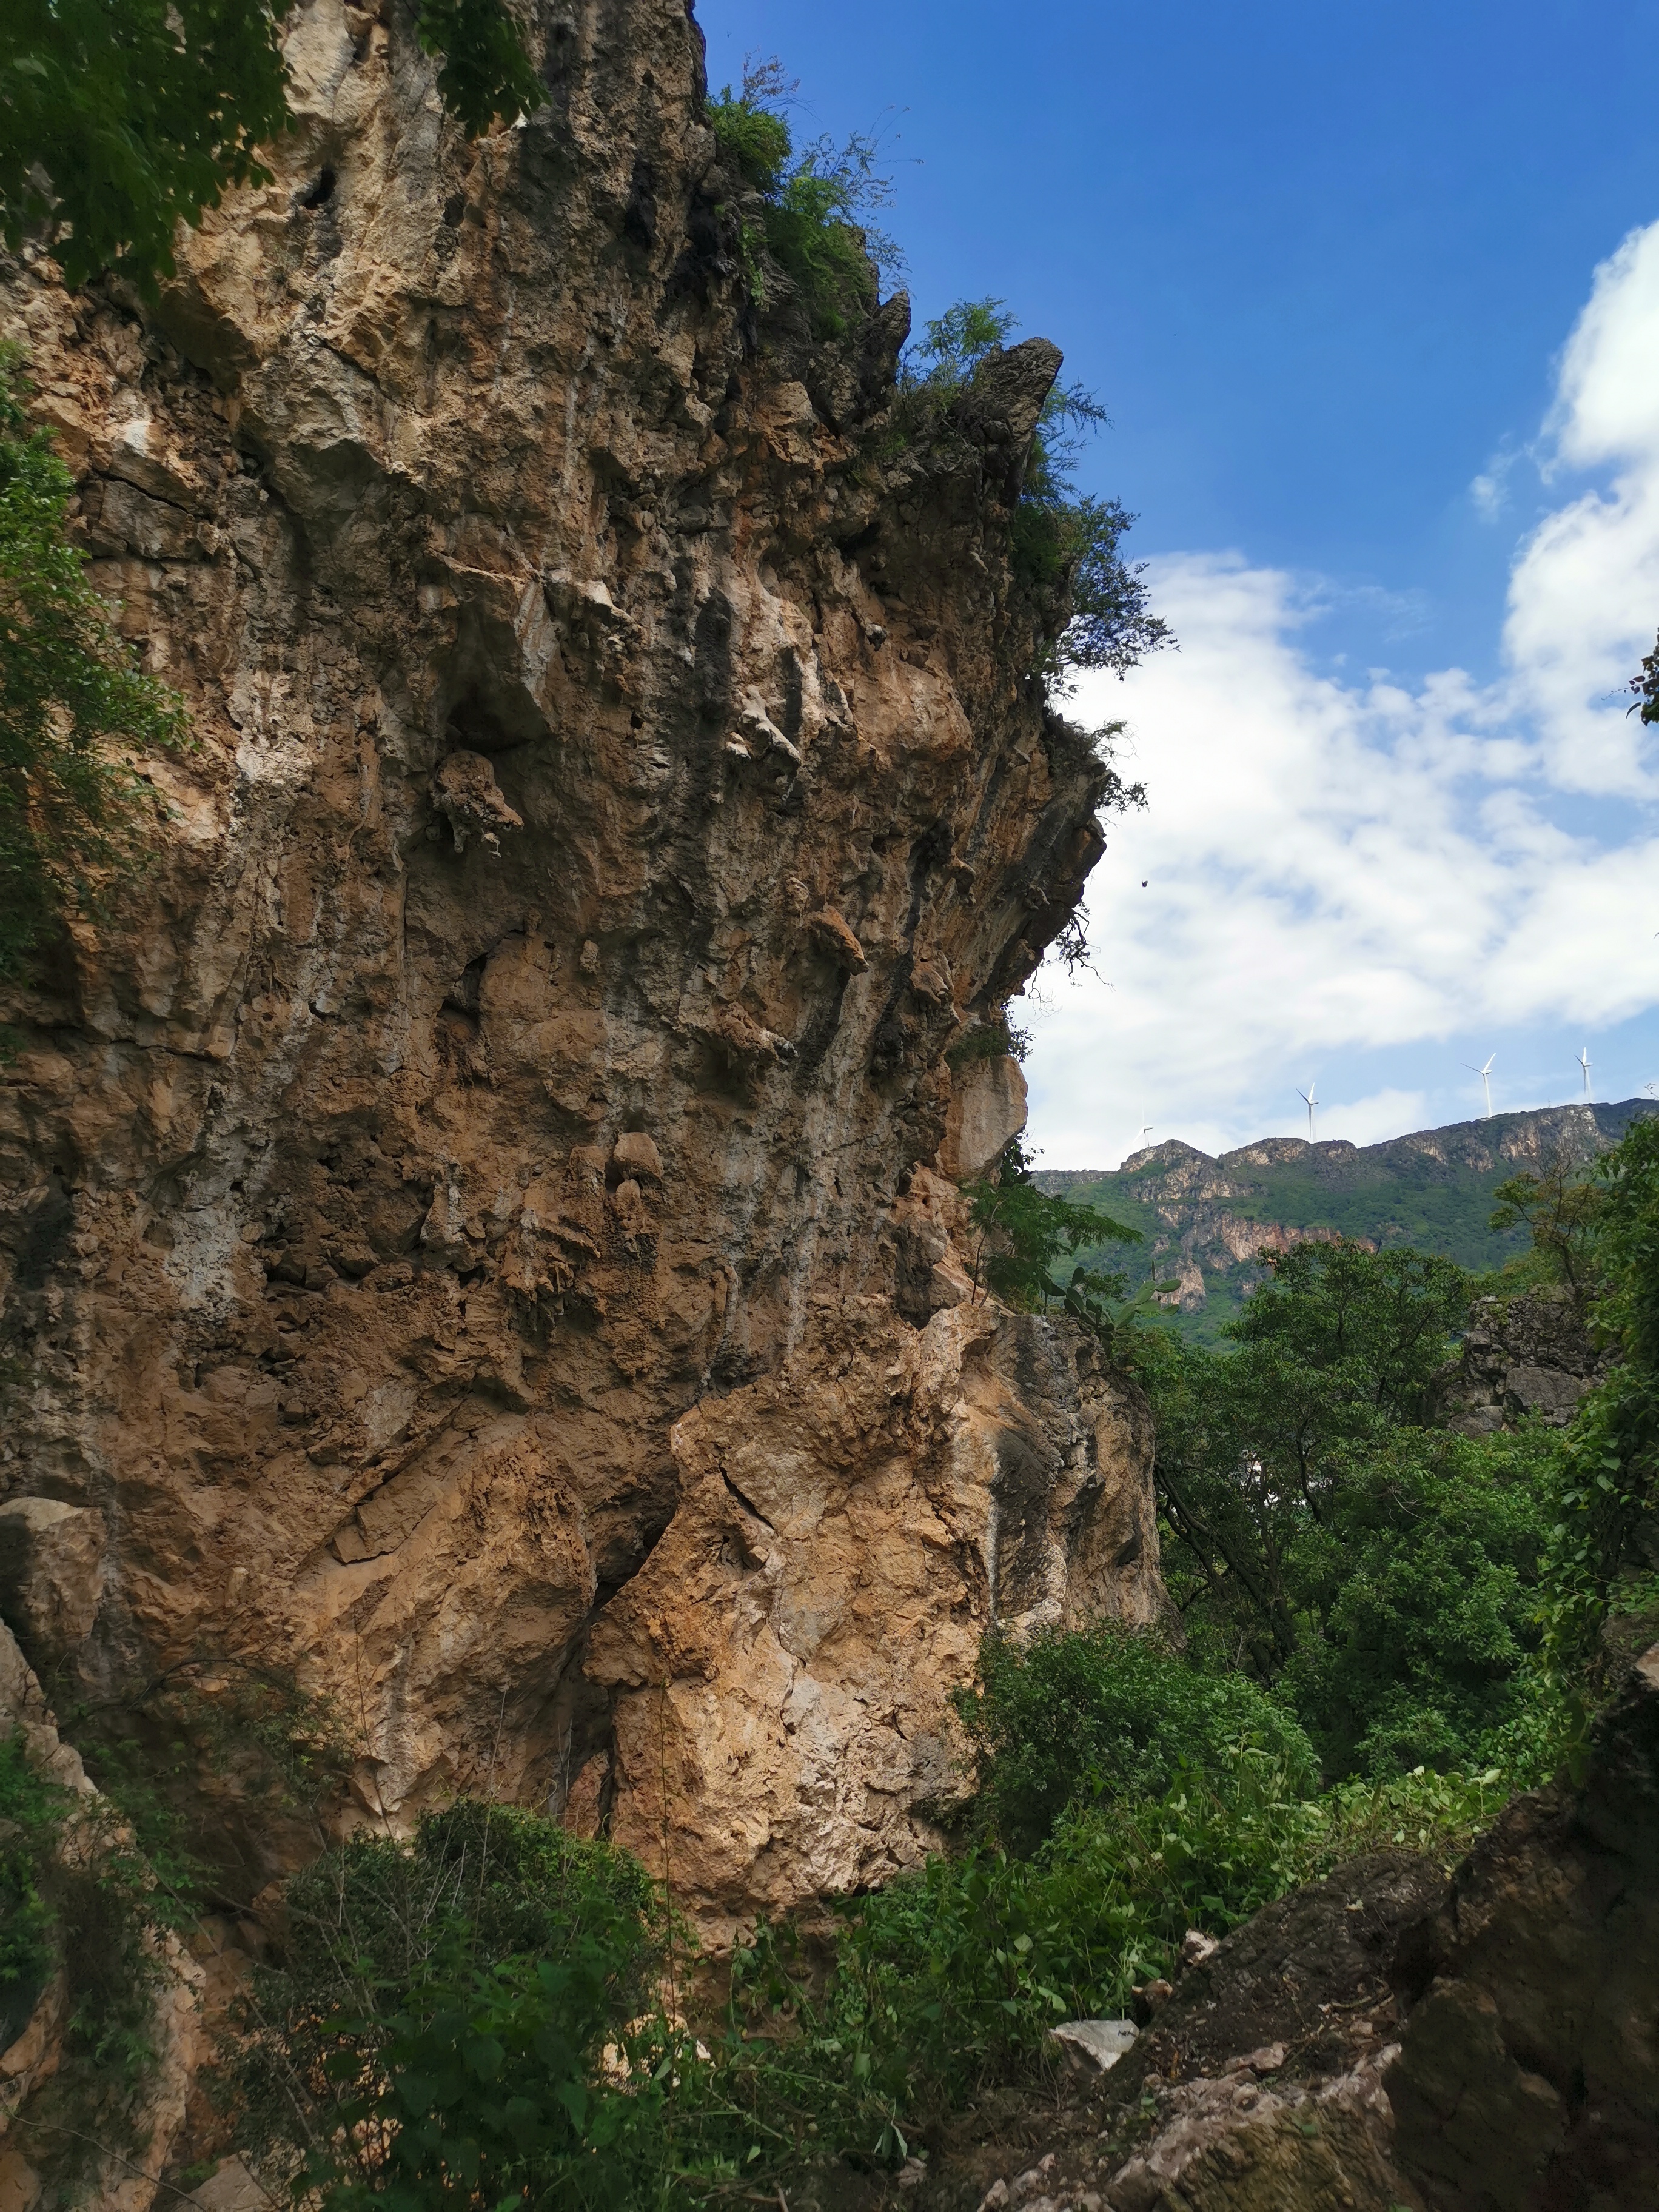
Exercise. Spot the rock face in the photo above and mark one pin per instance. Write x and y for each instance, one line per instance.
(1528, 2074)
(1519, 1356)
(469, 1233)
(847, 1530)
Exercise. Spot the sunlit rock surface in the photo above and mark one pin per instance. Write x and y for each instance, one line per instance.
(469, 1226)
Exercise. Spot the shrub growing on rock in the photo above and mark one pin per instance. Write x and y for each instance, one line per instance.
(434, 2030)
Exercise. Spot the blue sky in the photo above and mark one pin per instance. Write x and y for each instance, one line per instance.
(1325, 265)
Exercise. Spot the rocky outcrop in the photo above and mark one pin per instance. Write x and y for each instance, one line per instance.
(847, 1531)
(1528, 2074)
(1388, 2038)
(1532, 1355)
(506, 1109)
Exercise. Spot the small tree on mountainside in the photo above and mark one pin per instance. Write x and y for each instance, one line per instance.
(1562, 1210)
(1022, 1231)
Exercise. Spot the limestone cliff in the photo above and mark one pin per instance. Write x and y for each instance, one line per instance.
(479, 1229)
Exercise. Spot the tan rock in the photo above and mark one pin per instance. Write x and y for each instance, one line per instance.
(635, 1154)
(52, 1569)
(21, 2186)
(845, 1532)
(988, 1108)
(385, 1341)
(829, 932)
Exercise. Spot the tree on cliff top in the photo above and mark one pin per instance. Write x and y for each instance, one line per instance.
(1065, 547)
(121, 119)
(815, 204)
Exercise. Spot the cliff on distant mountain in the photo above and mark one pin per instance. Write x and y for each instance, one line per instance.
(1204, 1221)
(481, 1229)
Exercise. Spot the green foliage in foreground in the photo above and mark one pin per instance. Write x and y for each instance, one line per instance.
(1072, 1721)
(492, 2011)
(1605, 1536)
(434, 2031)
(121, 119)
(74, 707)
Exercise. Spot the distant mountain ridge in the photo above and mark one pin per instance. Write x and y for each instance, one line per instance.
(1204, 1220)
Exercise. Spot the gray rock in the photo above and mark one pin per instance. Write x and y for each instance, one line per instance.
(1102, 2043)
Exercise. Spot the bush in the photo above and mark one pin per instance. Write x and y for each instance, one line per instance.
(434, 2030)
(1091, 1719)
(814, 242)
(950, 1979)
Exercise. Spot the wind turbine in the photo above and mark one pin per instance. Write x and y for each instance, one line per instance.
(1485, 1073)
(1309, 1102)
(1585, 1063)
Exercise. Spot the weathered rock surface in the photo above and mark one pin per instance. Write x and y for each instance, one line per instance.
(988, 1107)
(506, 1106)
(1519, 1356)
(847, 1530)
(1528, 2074)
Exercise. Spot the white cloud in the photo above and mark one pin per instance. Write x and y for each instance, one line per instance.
(1333, 867)
(1584, 594)
(1490, 491)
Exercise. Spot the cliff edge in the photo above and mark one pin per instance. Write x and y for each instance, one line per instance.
(476, 1232)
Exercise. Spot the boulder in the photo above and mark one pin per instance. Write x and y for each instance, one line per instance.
(988, 1107)
(53, 1563)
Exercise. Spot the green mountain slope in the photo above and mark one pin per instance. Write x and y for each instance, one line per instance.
(1203, 1221)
